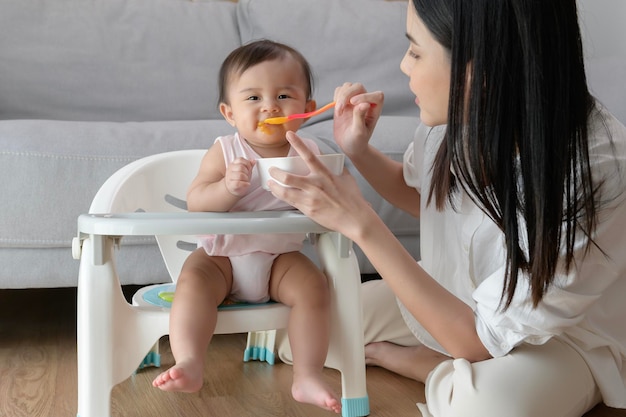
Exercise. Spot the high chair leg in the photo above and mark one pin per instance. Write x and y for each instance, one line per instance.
(346, 352)
(152, 358)
(112, 336)
(260, 346)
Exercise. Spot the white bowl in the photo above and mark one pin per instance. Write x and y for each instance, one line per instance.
(296, 165)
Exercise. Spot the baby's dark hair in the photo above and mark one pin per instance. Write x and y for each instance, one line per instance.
(256, 52)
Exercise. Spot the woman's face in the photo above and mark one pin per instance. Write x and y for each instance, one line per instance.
(427, 64)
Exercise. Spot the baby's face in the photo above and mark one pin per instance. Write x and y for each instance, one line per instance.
(269, 89)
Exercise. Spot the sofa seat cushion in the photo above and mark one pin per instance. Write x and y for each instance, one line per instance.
(52, 169)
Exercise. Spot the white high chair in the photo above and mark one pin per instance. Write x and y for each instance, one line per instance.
(147, 198)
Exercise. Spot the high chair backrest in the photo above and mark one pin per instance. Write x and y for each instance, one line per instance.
(156, 183)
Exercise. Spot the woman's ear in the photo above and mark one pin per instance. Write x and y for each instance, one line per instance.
(227, 112)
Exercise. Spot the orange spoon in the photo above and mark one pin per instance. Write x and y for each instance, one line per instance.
(284, 119)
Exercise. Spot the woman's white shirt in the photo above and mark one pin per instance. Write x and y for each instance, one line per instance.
(464, 251)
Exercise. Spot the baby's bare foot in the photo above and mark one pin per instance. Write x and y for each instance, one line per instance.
(181, 378)
(311, 389)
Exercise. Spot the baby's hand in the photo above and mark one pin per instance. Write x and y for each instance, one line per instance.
(238, 175)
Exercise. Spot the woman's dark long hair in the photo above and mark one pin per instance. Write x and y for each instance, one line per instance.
(516, 139)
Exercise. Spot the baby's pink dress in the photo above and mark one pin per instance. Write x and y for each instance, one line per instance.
(252, 255)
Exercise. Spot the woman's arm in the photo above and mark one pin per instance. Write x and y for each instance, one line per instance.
(337, 203)
(386, 176)
(448, 319)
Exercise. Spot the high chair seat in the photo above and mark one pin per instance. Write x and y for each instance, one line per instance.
(146, 198)
(259, 346)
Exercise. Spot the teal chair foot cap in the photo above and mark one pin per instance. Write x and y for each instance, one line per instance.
(255, 353)
(355, 407)
(151, 359)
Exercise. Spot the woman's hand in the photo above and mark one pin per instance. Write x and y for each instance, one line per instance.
(356, 114)
(334, 201)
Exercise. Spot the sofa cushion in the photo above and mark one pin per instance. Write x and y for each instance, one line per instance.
(602, 30)
(608, 84)
(370, 43)
(113, 60)
(52, 169)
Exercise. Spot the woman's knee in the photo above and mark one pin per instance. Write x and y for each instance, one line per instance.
(451, 391)
(550, 380)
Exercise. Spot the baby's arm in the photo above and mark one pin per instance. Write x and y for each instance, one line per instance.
(215, 187)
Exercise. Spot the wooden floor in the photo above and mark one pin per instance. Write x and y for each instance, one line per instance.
(38, 373)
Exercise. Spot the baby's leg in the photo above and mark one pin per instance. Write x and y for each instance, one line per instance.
(297, 282)
(204, 283)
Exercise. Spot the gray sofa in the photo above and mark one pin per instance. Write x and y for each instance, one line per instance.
(87, 86)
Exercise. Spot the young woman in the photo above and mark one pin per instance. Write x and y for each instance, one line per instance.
(517, 305)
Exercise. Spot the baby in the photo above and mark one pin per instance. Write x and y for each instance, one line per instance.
(259, 80)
